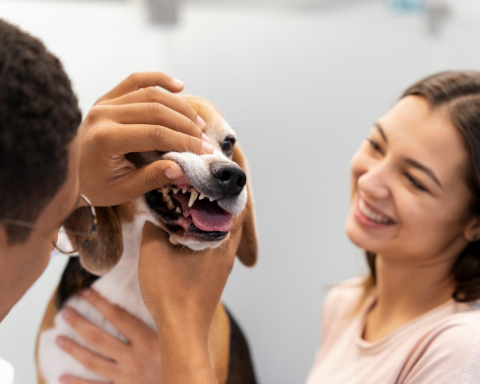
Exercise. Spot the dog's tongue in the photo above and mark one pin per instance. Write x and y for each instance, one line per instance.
(206, 215)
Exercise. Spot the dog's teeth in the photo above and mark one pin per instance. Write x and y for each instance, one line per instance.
(193, 197)
(201, 197)
(211, 199)
(178, 210)
(170, 205)
(167, 199)
(175, 191)
(184, 191)
(165, 192)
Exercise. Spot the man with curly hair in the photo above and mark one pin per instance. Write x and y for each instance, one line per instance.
(48, 157)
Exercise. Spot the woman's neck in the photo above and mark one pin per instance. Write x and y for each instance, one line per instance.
(405, 292)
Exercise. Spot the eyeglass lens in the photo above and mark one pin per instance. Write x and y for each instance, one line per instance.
(75, 230)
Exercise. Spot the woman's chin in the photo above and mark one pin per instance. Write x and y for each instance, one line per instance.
(358, 235)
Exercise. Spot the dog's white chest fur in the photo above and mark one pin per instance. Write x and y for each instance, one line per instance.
(120, 286)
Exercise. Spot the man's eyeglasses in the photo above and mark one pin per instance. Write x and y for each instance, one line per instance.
(76, 232)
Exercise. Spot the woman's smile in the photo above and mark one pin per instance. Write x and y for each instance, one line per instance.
(371, 217)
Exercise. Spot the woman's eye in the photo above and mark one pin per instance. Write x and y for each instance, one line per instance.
(374, 146)
(415, 183)
(227, 145)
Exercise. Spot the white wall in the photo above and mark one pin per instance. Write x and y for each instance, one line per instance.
(302, 89)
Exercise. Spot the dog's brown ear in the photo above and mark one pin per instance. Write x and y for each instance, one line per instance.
(248, 249)
(103, 253)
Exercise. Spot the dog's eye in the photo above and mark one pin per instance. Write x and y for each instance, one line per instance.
(227, 145)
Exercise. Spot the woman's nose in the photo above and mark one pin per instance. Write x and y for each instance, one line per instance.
(374, 183)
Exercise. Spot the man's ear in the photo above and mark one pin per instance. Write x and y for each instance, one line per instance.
(471, 232)
(248, 249)
(103, 253)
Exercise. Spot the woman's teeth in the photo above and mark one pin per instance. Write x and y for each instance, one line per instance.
(372, 215)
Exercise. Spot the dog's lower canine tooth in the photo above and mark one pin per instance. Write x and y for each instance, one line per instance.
(193, 197)
(201, 197)
(175, 191)
(170, 205)
(178, 210)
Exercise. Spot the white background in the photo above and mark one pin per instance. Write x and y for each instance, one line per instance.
(302, 88)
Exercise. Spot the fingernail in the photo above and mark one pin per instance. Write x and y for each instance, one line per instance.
(207, 147)
(86, 292)
(178, 82)
(60, 340)
(206, 138)
(64, 380)
(174, 172)
(200, 122)
(66, 313)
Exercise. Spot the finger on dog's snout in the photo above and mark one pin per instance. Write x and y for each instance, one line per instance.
(148, 178)
(94, 336)
(143, 80)
(130, 326)
(145, 138)
(155, 95)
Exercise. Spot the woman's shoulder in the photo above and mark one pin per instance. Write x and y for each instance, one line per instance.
(343, 299)
(450, 351)
(347, 292)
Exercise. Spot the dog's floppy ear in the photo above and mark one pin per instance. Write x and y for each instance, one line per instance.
(103, 253)
(248, 249)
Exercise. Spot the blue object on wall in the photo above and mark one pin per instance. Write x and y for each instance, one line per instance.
(406, 5)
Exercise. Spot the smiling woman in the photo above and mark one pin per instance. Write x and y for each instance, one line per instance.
(415, 210)
(444, 101)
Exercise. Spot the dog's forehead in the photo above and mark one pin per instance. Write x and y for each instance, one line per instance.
(217, 128)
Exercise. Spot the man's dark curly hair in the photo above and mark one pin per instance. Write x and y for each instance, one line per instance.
(39, 117)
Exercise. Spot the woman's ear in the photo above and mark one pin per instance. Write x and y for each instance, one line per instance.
(471, 232)
(103, 253)
(248, 249)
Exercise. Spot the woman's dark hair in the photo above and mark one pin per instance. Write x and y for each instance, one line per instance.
(459, 92)
(39, 117)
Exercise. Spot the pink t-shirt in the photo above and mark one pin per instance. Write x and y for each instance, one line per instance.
(441, 346)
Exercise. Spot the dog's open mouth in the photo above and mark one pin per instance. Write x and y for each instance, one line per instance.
(186, 211)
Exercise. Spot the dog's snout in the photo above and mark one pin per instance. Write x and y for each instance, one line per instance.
(230, 178)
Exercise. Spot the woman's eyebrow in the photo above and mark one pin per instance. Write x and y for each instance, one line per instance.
(382, 132)
(423, 168)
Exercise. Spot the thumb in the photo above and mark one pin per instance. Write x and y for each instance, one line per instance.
(151, 233)
(150, 177)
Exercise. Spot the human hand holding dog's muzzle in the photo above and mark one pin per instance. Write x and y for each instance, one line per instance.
(181, 288)
(136, 116)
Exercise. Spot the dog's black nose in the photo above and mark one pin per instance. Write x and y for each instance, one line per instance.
(230, 177)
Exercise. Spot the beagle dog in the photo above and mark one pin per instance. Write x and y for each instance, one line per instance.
(197, 212)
